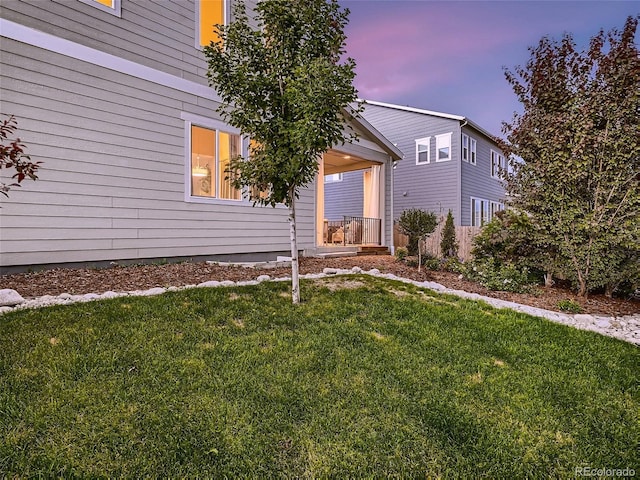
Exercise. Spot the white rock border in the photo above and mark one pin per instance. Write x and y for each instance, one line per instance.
(625, 328)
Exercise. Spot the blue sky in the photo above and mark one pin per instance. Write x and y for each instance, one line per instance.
(448, 56)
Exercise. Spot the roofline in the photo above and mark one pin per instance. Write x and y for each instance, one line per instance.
(435, 114)
(379, 139)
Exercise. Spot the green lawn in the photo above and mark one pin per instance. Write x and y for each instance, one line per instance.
(377, 379)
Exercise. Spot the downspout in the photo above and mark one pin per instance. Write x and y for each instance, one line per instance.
(392, 226)
(463, 124)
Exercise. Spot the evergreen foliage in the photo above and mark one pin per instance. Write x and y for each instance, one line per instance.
(449, 242)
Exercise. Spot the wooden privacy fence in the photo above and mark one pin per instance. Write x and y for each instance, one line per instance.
(464, 237)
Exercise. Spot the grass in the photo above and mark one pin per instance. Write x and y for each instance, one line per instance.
(376, 379)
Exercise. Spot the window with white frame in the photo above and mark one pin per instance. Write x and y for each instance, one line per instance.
(472, 151)
(465, 147)
(495, 208)
(208, 14)
(497, 164)
(443, 147)
(110, 6)
(479, 211)
(334, 177)
(211, 153)
(422, 150)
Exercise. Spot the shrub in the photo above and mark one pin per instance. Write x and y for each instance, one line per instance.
(449, 243)
(453, 265)
(569, 306)
(401, 253)
(506, 277)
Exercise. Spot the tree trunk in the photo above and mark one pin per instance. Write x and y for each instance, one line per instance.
(295, 281)
(419, 256)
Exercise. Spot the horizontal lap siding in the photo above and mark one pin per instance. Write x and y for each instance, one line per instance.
(476, 179)
(432, 187)
(345, 197)
(112, 182)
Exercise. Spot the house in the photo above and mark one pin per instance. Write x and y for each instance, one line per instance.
(112, 97)
(450, 163)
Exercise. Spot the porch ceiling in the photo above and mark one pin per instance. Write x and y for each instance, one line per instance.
(338, 162)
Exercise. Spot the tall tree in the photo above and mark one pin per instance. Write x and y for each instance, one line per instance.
(417, 225)
(284, 85)
(449, 243)
(576, 155)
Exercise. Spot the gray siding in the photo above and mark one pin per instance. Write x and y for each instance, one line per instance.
(434, 186)
(476, 179)
(112, 183)
(344, 198)
(156, 33)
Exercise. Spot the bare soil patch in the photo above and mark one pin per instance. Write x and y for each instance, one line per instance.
(80, 281)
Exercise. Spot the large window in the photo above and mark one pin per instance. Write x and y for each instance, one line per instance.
(332, 178)
(110, 6)
(497, 164)
(465, 148)
(483, 211)
(209, 13)
(211, 154)
(443, 147)
(422, 150)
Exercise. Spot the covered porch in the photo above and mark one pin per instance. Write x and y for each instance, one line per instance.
(358, 221)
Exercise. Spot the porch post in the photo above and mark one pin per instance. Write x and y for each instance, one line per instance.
(320, 203)
(382, 204)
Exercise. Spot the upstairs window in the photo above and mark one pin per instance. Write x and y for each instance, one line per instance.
(465, 148)
(497, 164)
(209, 13)
(422, 150)
(110, 6)
(211, 154)
(443, 147)
(472, 151)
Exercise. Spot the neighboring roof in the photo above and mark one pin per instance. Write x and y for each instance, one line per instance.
(377, 137)
(432, 113)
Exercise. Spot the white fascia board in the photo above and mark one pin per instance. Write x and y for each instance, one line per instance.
(46, 41)
(414, 110)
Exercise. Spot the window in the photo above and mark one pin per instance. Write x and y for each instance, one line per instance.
(495, 208)
(472, 151)
(497, 164)
(479, 212)
(110, 6)
(465, 148)
(209, 13)
(211, 153)
(422, 150)
(443, 147)
(334, 177)
(483, 211)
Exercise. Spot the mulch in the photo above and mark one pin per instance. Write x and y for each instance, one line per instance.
(142, 277)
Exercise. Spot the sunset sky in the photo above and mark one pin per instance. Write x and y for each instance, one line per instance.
(448, 56)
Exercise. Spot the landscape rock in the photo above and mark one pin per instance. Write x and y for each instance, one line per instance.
(356, 270)
(330, 271)
(211, 283)
(263, 278)
(9, 298)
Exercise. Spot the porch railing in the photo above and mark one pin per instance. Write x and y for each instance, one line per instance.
(353, 231)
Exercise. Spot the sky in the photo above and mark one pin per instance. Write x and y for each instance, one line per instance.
(449, 56)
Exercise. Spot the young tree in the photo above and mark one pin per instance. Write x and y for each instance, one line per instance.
(417, 224)
(449, 243)
(286, 87)
(12, 156)
(578, 170)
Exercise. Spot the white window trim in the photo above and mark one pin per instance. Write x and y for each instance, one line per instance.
(217, 125)
(225, 10)
(498, 208)
(440, 138)
(427, 142)
(500, 163)
(331, 178)
(485, 211)
(115, 10)
(462, 148)
(473, 151)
